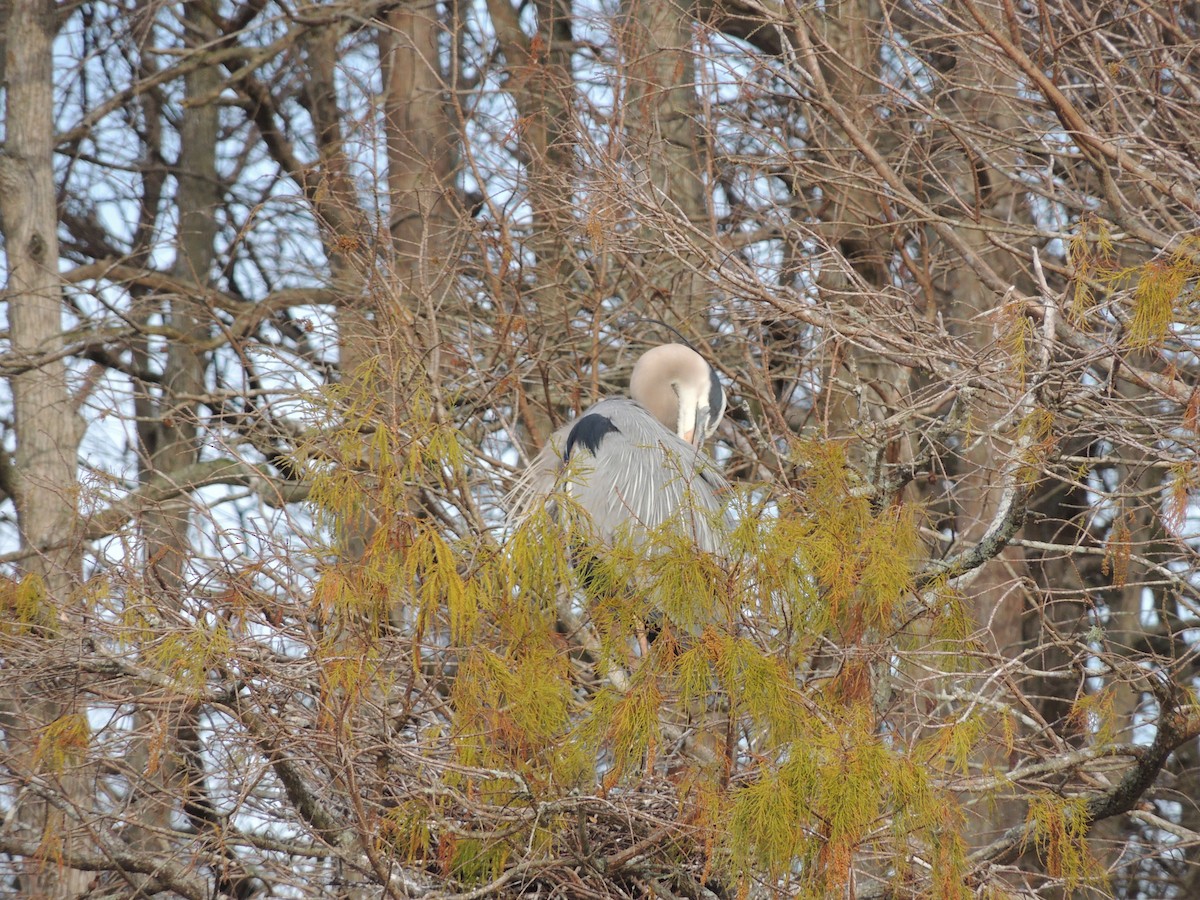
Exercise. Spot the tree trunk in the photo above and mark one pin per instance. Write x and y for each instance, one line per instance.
(420, 153)
(670, 160)
(48, 429)
(168, 428)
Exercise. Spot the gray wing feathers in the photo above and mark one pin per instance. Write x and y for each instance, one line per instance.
(640, 476)
(537, 481)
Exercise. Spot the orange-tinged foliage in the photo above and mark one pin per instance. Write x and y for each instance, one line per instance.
(1060, 827)
(803, 573)
(827, 799)
(1095, 714)
(1118, 549)
(1183, 481)
(1191, 413)
(63, 743)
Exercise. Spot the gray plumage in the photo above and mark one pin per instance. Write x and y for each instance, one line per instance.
(636, 464)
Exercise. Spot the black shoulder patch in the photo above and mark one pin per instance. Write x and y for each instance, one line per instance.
(716, 394)
(588, 432)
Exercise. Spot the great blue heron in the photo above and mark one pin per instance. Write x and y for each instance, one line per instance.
(636, 463)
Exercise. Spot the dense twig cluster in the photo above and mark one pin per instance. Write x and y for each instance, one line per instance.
(329, 274)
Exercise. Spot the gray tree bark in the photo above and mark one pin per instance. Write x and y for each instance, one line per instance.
(48, 430)
(671, 159)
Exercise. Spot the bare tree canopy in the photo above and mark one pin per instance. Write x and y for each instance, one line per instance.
(294, 293)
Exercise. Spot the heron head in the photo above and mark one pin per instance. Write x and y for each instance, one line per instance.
(681, 390)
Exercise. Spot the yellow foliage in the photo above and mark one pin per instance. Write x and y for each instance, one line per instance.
(359, 594)
(538, 552)
(686, 585)
(761, 686)
(1009, 730)
(512, 711)
(950, 629)
(405, 828)
(475, 861)
(890, 546)
(187, 656)
(693, 673)
(431, 567)
(771, 558)
(850, 796)
(631, 730)
(1095, 714)
(1060, 827)
(1036, 428)
(861, 559)
(63, 743)
(1092, 256)
(770, 823)
(376, 458)
(26, 605)
(1017, 332)
(953, 745)
(948, 863)
(827, 798)
(818, 569)
(1160, 284)
(347, 670)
